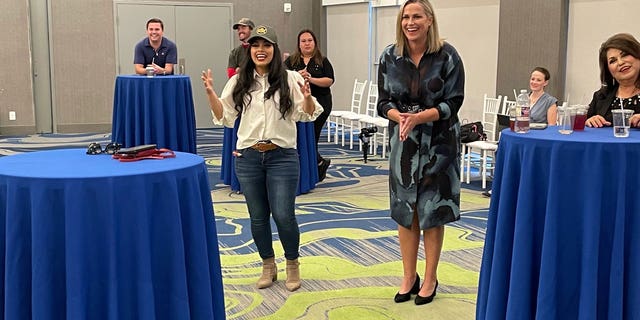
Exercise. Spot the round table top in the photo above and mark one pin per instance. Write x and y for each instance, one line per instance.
(597, 135)
(75, 163)
(138, 76)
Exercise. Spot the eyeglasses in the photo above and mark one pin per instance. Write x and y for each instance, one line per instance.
(96, 148)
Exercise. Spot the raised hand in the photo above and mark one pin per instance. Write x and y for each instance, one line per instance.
(304, 87)
(207, 80)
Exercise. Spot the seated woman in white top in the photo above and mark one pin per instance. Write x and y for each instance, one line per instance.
(544, 107)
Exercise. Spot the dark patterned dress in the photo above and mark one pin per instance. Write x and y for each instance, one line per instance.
(424, 170)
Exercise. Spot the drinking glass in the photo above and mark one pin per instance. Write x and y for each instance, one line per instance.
(581, 118)
(621, 122)
(566, 118)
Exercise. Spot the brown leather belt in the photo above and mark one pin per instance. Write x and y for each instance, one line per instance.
(264, 146)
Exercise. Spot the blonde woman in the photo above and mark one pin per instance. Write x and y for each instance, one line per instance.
(421, 88)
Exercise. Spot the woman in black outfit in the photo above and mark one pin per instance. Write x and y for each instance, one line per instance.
(315, 68)
(619, 60)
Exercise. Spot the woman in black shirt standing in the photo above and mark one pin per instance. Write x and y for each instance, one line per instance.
(315, 68)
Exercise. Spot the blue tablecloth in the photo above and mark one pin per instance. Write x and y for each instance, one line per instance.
(88, 237)
(306, 149)
(563, 238)
(154, 110)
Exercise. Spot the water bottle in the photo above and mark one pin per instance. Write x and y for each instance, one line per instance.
(522, 112)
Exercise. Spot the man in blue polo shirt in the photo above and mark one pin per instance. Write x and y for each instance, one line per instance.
(155, 50)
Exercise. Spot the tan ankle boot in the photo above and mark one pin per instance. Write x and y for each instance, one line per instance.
(269, 273)
(293, 275)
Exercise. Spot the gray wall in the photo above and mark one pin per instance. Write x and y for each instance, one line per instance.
(532, 33)
(82, 44)
(82, 55)
(15, 79)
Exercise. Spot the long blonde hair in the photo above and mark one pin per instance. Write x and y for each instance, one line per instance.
(434, 43)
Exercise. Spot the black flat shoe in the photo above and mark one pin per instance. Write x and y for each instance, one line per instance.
(403, 297)
(424, 300)
(322, 169)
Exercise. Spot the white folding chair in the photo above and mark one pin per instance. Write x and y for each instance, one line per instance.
(333, 120)
(506, 106)
(484, 149)
(348, 121)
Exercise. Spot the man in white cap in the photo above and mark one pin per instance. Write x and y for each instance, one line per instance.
(243, 27)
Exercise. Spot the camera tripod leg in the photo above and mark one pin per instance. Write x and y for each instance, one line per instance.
(365, 151)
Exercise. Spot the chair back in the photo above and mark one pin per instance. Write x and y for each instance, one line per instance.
(506, 104)
(372, 100)
(358, 95)
(489, 116)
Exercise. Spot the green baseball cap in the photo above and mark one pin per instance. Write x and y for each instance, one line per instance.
(244, 22)
(264, 32)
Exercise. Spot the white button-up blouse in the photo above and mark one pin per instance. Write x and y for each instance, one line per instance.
(261, 120)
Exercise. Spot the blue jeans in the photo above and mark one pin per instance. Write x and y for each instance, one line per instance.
(269, 181)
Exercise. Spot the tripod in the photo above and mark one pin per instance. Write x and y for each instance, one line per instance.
(364, 137)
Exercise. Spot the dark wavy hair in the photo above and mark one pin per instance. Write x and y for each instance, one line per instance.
(296, 57)
(277, 78)
(544, 71)
(623, 42)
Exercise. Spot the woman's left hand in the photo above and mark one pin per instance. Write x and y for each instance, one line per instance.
(635, 120)
(305, 75)
(408, 121)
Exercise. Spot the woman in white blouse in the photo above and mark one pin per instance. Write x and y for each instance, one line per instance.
(269, 100)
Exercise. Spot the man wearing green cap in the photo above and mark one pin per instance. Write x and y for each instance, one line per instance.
(243, 27)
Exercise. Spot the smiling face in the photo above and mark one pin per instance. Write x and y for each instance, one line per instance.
(307, 44)
(154, 31)
(623, 66)
(415, 23)
(261, 54)
(537, 82)
(243, 32)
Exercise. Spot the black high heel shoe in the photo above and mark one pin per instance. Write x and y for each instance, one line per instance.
(322, 169)
(402, 297)
(424, 300)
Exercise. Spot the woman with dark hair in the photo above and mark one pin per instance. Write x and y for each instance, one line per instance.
(421, 89)
(315, 68)
(269, 100)
(619, 60)
(544, 107)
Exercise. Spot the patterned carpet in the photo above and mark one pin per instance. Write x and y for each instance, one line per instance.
(350, 262)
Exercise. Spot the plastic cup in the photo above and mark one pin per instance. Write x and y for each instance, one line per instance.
(581, 118)
(566, 119)
(621, 122)
(150, 72)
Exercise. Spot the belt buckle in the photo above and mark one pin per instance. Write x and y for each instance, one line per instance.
(263, 146)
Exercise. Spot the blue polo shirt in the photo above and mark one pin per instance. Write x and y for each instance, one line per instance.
(144, 53)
